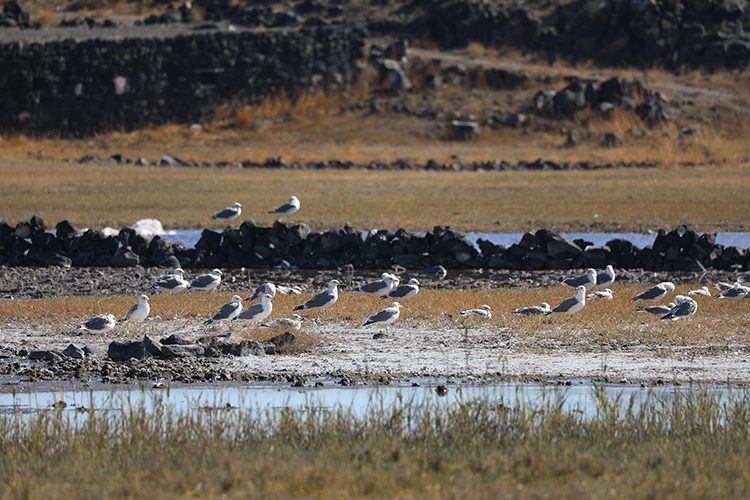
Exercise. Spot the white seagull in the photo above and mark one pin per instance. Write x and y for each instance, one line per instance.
(587, 279)
(229, 213)
(571, 304)
(606, 277)
(657, 292)
(324, 299)
(685, 307)
(293, 321)
(99, 324)
(257, 312)
(602, 294)
(289, 290)
(265, 288)
(657, 310)
(381, 287)
(736, 293)
(387, 316)
(288, 208)
(438, 272)
(139, 311)
(206, 282)
(542, 308)
(227, 312)
(405, 292)
(723, 286)
(484, 311)
(704, 291)
(172, 283)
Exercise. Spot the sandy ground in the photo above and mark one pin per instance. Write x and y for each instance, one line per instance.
(352, 353)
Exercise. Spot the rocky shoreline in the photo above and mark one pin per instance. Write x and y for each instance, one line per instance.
(38, 282)
(292, 246)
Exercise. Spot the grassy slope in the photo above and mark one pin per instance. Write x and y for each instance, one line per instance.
(711, 198)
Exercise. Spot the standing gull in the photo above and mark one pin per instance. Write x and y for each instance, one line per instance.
(173, 283)
(606, 277)
(381, 287)
(324, 299)
(206, 282)
(405, 292)
(571, 304)
(288, 208)
(685, 307)
(657, 292)
(736, 293)
(229, 213)
(704, 291)
(265, 288)
(258, 312)
(387, 316)
(227, 312)
(587, 279)
(139, 311)
(601, 294)
(657, 310)
(484, 311)
(99, 324)
(542, 308)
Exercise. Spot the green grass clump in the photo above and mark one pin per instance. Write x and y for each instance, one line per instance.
(691, 444)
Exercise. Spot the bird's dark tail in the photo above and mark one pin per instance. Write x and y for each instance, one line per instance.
(299, 308)
(207, 322)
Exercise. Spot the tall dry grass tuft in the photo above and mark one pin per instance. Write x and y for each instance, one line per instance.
(685, 443)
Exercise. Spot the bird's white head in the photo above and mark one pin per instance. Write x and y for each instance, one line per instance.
(668, 285)
(110, 317)
(144, 298)
(591, 271)
(608, 290)
(215, 272)
(681, 298)
(293, 200)
(236, 298)
(266, 298)
(296, 317)
(179, 271)
(414, 281)
(545, 305)
(485, 307)
(385, 275)
(581, 291)
(333, 284)
(397, 305)
(610, 269)
(236, 205)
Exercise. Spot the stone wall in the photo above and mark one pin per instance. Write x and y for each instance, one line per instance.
(286, 245)
(77, 83)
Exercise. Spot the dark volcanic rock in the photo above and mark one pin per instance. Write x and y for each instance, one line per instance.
(123, 351)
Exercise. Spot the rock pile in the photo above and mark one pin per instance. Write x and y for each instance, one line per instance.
(92, 85)
(711, 33)
(293, 245)
(402, 164)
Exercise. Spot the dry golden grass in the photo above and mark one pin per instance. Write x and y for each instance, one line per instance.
(711, 198)
(718, 324)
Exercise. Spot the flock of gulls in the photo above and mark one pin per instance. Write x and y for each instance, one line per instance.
(591, 285)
